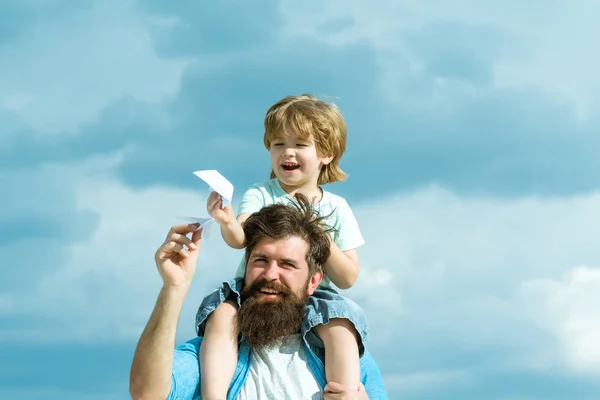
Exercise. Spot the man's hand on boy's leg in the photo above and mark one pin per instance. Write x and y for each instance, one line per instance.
(336, 391)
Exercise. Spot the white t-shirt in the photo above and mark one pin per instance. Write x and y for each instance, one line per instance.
(281, 373)
(347, 234)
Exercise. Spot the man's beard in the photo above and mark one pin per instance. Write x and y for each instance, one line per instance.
(265, 322)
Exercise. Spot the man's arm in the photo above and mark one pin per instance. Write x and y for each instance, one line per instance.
(153, 359)
(151, 369)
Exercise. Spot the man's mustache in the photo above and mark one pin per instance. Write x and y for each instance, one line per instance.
(261, 284)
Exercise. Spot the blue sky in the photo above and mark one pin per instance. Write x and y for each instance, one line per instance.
(472, 155)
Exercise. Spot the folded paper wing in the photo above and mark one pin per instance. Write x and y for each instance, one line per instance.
(217, 183)
(204, 223)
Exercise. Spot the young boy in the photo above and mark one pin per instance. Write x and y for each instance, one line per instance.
(306, 139)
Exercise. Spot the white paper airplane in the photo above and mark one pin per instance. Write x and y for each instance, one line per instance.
(217, 183)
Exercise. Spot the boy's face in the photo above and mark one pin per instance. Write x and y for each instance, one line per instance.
(295, 161)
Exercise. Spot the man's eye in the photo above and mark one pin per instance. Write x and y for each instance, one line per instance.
(302, 145)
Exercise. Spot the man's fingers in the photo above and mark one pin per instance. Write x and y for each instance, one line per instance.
(182, 239)
(337, 391)
(197, 238)
(334, 387)
(170, 248)
(182, 229)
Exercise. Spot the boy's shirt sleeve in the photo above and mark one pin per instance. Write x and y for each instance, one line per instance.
(348, 236)
(252, 201)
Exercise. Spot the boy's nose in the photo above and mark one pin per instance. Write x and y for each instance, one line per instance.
(289, 151)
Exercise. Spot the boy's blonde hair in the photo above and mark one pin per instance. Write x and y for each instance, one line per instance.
(305, 116)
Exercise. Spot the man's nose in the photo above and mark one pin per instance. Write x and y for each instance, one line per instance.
(272, 272)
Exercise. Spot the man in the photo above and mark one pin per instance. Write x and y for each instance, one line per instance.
(286, 248)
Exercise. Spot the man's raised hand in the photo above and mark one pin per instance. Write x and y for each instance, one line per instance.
(176, 258)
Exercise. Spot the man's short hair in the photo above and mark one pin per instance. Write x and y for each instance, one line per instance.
(297, 219)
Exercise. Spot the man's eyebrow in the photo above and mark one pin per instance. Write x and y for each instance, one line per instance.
(289, 261)
(258, 255)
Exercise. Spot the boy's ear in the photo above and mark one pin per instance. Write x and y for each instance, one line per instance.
(326, 160)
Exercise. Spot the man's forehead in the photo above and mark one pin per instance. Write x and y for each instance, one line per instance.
(292, 247)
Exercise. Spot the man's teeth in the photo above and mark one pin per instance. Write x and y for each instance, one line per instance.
(269, 291)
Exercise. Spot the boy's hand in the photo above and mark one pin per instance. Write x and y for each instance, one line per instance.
(214, 205)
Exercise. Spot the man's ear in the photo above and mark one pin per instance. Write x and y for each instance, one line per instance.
(314, 282)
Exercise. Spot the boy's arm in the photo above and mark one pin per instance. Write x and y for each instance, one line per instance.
(231, 227)
(233, 233)
(342, 267)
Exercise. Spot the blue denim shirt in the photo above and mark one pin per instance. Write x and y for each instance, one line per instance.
(186, 372)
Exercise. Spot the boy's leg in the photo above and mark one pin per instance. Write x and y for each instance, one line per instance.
(342, 360)
(219, 351)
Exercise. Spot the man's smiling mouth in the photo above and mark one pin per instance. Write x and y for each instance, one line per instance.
(269, 291)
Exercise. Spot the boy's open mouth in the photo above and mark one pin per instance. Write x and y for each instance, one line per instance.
(290, 166)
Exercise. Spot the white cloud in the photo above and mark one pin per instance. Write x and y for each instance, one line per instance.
(63, 71)
(457, 264)
(108, 286)
(51, 393)
(412, 382)
(446, 269)
(568, 308)
(541, 44)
